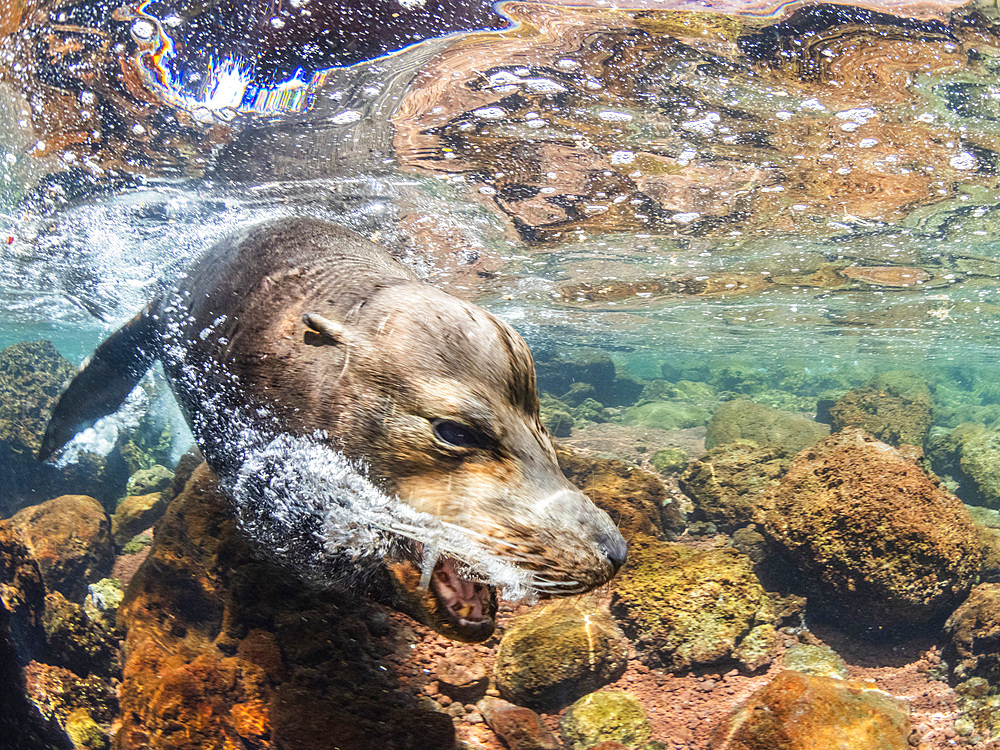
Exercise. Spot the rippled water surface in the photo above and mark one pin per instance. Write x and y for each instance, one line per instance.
(654, 182)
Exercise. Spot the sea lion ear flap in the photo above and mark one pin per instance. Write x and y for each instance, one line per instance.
(331, 332)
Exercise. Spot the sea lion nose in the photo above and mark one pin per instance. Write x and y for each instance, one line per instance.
(614, 548)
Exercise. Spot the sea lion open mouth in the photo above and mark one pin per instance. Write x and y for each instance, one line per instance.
(450, 603)
(465, 603)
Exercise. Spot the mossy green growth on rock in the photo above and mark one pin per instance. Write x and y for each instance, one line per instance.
(669, 460)
(32, 375)
(764, 425)
(894, 407)
(757, 649)
(666, 415)
(555, 416)
(607, 716)
(84, 732)
(154, 479)
(728, 483)
(684, 608)
(550, 658)
(137, 544)
(103, 600)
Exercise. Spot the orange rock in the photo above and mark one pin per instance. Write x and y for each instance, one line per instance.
(70, 538)
(797, 711)
(226, 650)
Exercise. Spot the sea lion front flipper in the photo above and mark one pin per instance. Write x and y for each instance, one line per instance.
(103, 382)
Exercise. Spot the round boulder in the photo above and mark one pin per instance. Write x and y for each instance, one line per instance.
(878, 545)
(798, 711)
(608, 716)
(550, 658)
(70, 538)
(764, 425)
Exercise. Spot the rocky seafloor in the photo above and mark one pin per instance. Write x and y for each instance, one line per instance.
(814, 563)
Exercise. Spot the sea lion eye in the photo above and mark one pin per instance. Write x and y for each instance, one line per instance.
(457, 434)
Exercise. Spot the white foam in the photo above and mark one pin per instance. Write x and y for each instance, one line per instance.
(297, 494)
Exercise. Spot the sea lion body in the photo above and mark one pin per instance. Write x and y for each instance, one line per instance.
(300, 327)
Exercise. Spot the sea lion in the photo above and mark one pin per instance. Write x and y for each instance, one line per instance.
(299, 329)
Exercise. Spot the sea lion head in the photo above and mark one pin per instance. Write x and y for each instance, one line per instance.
(438, 398)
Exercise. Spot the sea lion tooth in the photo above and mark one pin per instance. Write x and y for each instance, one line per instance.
(325, 327)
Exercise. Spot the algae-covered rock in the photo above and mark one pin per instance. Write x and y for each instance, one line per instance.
(979, 464)
(798, 711)
(154, 479)
(548, 659)
(76, 642)
(973, 632)
(757, 648)
(555, 416)
(135, 513)
(669, 460)
(879, 545)
(84, 732)
(56, 692)
(635, 499)
(612, 715)
(22, 596)
(814, 659)
(894, 407)
(103, 600)
(147, 444)
(32, 375)
(728, 483)
(746, 420)
(71, 540)
(683, 608)
(666, 415)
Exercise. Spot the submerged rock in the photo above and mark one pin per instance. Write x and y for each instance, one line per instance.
(728, 484)
(550, 658)
(32, 375)
(798, 711)
(763, 425)
(808, 658)
(224, 649)
(22, 596)
(612, 715)
(973, 632)
(154, 479)
(518, 727)
(669, 460)
(684, 608)
(635, 499)
(895, 407)
(666, 415)
(136, 513)
(879, 545)
(70, 537)
(76, 642)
